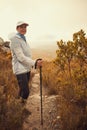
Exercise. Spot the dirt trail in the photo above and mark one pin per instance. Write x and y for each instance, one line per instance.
(51, 120)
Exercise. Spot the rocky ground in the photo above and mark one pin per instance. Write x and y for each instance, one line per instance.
(51, 119)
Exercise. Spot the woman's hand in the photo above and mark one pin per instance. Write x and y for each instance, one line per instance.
(38, 63)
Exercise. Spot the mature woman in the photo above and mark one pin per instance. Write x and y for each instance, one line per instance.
(21, 59)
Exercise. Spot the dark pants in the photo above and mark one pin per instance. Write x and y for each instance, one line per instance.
(23, 80)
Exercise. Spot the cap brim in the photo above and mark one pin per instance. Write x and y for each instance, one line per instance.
(25, 24)
(22, 23)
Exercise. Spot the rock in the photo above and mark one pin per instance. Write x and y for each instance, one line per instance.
(34, 128)
(37, 108)
(45, 129)
(1, 41)
(46, 96)
(58, 117)
(7, 44)
(50, 112)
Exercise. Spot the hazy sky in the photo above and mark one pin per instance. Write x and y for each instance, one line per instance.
(48, 19)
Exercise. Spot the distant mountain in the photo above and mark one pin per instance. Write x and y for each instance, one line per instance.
(44, 44)
(44, 50)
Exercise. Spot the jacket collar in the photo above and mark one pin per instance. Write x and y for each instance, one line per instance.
(22, 36)
(18, 36)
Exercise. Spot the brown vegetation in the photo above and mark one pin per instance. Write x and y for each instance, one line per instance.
(11, 110)
(67, 77)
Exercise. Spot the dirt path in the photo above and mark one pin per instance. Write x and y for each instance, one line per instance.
(51, 120)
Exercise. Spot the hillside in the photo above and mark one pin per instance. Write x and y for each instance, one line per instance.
(46, 54)
(45, 50)
(27, 117)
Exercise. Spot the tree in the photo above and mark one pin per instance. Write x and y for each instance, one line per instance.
(65, 54)
(80, 42)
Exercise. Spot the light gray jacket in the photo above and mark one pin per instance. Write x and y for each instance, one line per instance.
(21, 55)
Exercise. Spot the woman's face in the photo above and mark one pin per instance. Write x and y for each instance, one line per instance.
(22, 29)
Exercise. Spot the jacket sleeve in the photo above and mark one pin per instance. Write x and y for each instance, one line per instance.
(17, 50)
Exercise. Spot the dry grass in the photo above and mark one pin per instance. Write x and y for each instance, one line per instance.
(72, 93)
(11, 110)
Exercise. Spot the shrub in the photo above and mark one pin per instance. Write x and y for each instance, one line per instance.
(12, 113)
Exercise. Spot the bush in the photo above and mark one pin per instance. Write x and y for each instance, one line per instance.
(72, 93)
(12, 112)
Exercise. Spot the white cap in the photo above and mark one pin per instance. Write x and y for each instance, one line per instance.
(21, 23)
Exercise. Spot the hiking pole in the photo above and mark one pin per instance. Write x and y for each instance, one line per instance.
(41, 95)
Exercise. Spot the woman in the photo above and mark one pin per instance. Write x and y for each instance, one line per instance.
(21, 59)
